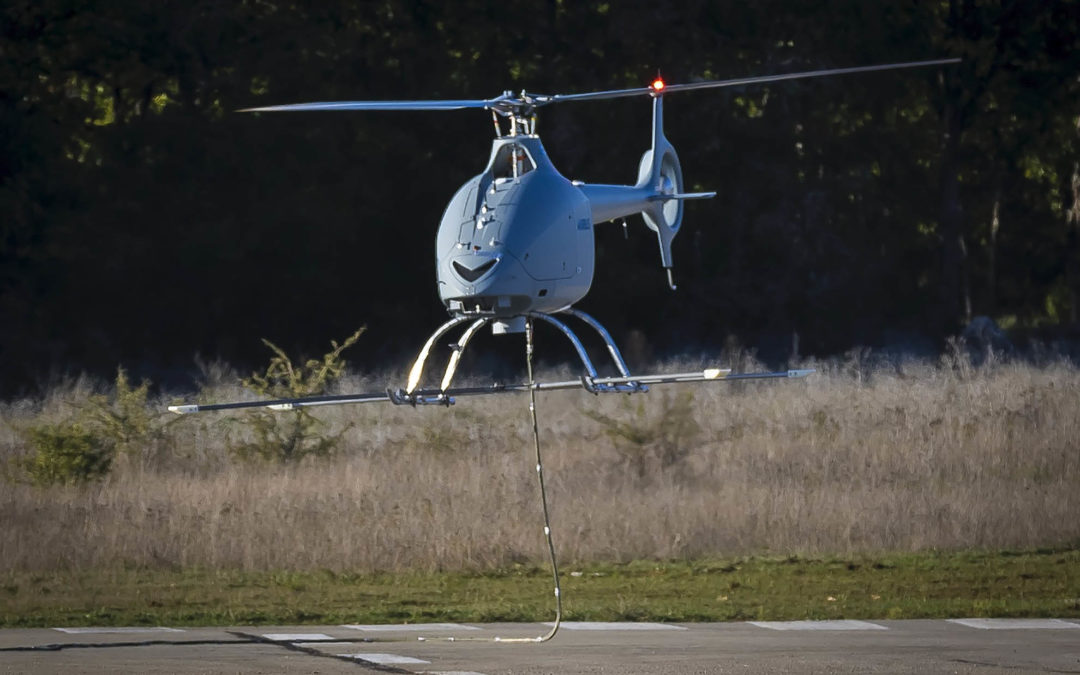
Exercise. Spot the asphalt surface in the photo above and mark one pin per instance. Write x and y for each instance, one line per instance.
(931, 646)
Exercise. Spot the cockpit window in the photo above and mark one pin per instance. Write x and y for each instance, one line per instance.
(512, 161)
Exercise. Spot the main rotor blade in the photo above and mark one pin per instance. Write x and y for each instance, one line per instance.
(713, 84)
(509, 104)
(378, 105)
(594, 95)
(812, 73)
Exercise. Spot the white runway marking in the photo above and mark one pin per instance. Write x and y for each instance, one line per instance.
(133, 629)
(325, 645)
(842, 624)
(614, 625)
(1015, 624)
(384, 658)
(296, 637)
(407, 627)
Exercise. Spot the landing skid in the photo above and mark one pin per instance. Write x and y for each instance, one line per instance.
(446, 395)
(591, 382)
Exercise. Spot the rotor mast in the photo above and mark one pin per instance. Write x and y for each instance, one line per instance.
(522, 117)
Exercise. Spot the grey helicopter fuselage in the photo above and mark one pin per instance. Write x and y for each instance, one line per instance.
(516, 238)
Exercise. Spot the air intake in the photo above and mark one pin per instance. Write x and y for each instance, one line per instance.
(473, 274)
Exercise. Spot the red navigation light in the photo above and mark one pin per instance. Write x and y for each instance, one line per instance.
(658, 84)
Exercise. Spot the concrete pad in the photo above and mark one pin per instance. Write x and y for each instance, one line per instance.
(843, 624)
(614, 625)
(906, 648)
(407, 627)
(386, 659)
(119, 630)
(1016, 624)
(297, 637)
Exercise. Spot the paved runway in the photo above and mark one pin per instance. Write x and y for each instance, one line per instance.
(932, 646)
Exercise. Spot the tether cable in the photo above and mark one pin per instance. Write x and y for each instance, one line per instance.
(543, 501)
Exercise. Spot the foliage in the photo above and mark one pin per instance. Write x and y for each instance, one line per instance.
(289, 436)
(83, 447)
(659, 440)
(66, 453)
(126, 422)
(282, 379)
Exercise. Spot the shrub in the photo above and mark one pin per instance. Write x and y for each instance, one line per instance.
(290, 436)
(661, 441)
(66, 453)
(83, 446)
(126, 423)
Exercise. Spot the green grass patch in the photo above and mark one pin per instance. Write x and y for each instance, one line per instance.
(1043, 583)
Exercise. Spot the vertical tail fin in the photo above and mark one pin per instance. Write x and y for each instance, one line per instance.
(660, 170)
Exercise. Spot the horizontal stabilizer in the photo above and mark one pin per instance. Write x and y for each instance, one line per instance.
(682, 195)
(596, 385)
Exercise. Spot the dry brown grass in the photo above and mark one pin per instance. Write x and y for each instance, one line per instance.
(852, 459)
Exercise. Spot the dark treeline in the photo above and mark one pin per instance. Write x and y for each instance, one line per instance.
(142, 221)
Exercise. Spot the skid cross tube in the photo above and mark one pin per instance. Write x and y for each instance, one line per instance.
(455, 356)
(582, 354)
(417, 371)
(616, 356)
(411, 395)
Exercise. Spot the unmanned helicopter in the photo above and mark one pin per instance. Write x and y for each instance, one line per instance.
(516, 242)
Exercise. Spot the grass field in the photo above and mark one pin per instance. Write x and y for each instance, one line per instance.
(913, 462)
(903, 586)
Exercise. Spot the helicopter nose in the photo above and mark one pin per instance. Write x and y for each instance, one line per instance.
(472, 267)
